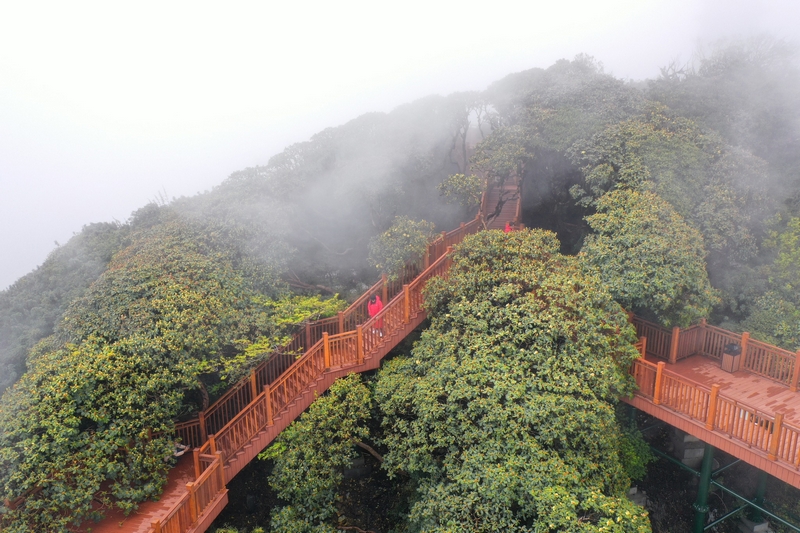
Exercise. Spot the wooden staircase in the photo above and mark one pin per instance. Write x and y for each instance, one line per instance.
(502, 204)
(252, 413)
(242, 423)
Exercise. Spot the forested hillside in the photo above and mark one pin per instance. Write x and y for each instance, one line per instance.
(676, 198)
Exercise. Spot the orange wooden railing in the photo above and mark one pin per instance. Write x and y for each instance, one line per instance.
(749, 426)
(199, 494)
(195, 432)
(760, 358)
(340, 342)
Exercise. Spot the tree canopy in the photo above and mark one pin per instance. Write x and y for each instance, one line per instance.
(100, 396)
(649, 258)
(504, 410)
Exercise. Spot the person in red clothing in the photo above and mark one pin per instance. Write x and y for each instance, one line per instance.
(508, 228)
(373, 308)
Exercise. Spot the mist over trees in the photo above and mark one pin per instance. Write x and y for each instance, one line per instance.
(678, 198)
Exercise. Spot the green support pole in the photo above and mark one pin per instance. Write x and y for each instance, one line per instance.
(755, 512)
(632, 416)
(700, 505)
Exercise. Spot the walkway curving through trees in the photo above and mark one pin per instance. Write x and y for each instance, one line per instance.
(753, 414)
(244, 421)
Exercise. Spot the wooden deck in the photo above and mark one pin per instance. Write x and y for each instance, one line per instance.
(761, 393)
(750, 416)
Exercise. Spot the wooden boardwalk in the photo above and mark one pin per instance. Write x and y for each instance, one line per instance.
(245, 420)
(141, 521)
(753, 414)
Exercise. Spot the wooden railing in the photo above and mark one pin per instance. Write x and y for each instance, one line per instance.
(195, 432)
(759, 358)
(339, 342)
(199, 494)
(749, 426)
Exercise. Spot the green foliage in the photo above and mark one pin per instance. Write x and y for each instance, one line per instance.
(283, 314)
(775, 315)
(648, 257)
(466, 190)
(227, 529)
(567, 102)
(715, 187)
(503, 412)
(311, 453)
(775, 319)
(634, 451)
(82, 416)
(503, 154)
(169, 306)
(297, 309)
(405, 241)
(330, 195)
(31, 307)
(747, 90)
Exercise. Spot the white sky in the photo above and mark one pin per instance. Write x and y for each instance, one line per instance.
(105, 105)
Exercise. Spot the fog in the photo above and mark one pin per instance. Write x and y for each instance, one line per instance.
(105, 107)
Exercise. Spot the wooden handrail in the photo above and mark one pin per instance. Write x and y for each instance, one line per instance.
(714, 411)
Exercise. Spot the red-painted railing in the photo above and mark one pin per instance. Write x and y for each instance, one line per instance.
(745, 424)
(195, 432)
(760, 358)
(199, 494)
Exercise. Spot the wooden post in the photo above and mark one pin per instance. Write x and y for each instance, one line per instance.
(196, 460)
(796, 373)
(213, 442)
(657, 387)
(308, 337)
(156, 526)
(326, 347)
(341, 321)
(427, 257)
(192, 502)
(203, 434)
(673, 348)
(745, 340)
(406, 305)
(643, 340)
(712, 407)
(360, 344)
(701, 339)
(253, 385)
(776, 437)
(449, 260)
(221, 469)
(269, 405)
(385, 293)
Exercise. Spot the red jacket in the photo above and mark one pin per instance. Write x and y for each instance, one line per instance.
(375, 308)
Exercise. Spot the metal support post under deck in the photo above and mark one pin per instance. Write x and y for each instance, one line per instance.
(701, 504)
(755, 512)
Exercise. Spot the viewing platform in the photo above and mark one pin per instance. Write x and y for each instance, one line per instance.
(752, 413)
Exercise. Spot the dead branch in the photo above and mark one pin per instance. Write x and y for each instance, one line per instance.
(297, 283)
(353, 528)
(371, 451)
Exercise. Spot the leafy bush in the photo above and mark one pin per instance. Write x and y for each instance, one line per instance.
(405, 241)
(504, 410)
(648, 257)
